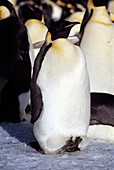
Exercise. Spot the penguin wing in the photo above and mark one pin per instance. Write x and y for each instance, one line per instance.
(36, 101)
(36, 96)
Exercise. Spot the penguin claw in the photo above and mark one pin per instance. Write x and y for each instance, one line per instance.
(72, 146)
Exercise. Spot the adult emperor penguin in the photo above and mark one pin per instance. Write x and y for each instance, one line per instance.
(31, 16)
(91, 4)
(60, 93)
(15, 66)
(97, 44)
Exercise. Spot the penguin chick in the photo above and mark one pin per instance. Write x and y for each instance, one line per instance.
(60, 93)
(15, 66)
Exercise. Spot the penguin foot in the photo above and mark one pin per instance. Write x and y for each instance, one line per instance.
(71, 146)
(35, 145)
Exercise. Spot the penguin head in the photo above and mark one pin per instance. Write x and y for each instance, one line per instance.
(46, 10)
(6, 9)
(61, 29)
(94, 5)
(29, 11)
(98, 3)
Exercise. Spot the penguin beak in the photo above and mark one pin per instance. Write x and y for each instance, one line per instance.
(4, 12)
(38, 44)
(72, 24)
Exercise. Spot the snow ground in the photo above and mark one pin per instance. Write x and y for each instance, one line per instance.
(16, 154)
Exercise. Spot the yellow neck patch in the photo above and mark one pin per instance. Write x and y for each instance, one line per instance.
(101, 22)
(4, 12)
(59, 2)
(48, 38)
(90, 4)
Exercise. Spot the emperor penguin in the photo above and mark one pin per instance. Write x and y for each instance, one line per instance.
(91, 4)
(15, 65)
(97, 44)
(31, 16)
(60, 94)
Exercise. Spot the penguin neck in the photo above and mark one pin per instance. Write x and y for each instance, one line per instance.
(100, 15)
(90, 5)
(31, 21)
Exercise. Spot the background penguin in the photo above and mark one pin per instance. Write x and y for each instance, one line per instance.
(31, 16)
(15, 66)
(97, 44)
(56, 10)
(60, 93)
(91, 4)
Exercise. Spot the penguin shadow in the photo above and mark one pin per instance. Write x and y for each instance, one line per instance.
(23, 131)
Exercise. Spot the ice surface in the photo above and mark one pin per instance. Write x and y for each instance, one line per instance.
(16, 154)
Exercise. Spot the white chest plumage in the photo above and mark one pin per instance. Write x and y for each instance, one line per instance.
(63, 80)
(97, 44)
(36, 29)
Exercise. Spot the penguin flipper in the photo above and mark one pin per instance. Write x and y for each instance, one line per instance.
(36, 101)
(36, 96)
